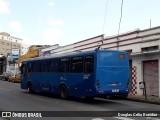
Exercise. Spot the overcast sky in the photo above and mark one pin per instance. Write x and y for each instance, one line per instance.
(67, 21)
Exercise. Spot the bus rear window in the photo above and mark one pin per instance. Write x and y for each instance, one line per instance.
(121, 56)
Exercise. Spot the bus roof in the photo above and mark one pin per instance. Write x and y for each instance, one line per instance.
(70, 54)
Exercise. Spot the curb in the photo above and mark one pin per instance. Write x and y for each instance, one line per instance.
(144, 100)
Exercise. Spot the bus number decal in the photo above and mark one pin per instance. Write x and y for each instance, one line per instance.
(86, 76)
(115, 90)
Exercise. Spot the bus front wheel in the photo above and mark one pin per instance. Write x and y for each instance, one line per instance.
(63, 92)
(30, 88)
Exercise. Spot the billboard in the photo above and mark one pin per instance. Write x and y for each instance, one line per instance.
(15, 53)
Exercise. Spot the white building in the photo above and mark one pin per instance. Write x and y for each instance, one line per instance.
(8, 42)
(9, 47)
(143, 47)
(24, 48)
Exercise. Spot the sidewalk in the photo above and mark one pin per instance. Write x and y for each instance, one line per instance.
(4, 118)
(150, 99)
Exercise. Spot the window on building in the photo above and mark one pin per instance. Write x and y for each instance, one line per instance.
(151, 48)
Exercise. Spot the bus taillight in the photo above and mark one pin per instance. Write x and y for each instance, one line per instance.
(97, 82)
(98, 86)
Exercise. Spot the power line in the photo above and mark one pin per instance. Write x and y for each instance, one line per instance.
(104, 24)
(105, 16)
(120, 17)
(120, 24)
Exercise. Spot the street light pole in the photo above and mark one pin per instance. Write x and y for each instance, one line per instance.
(11, 50)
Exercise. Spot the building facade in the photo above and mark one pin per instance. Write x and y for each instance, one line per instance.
(9, 49)
(8, 43)
(143, 47)
(24, 48)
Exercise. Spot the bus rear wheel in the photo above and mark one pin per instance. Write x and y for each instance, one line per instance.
(30, 88)
(63, 92)
(89, 97)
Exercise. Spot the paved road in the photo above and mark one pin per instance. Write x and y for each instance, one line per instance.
(12, 98)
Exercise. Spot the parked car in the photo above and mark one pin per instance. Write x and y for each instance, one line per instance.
(5, 75)
(14, 78)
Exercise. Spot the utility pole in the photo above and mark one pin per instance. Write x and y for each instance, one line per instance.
(11, 50)
(150, 23)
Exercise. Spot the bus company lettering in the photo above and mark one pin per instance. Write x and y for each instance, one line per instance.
(34, 115)
(15, 114)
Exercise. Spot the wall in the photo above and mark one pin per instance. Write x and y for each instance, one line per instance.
(138, 62)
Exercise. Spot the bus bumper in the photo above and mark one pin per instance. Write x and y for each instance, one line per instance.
(112, 92)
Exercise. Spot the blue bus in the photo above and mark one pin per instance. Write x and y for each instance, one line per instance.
(84, 74)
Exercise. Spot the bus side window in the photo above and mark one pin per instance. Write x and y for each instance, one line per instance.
(76, 64)
(64, 64)
(54, 65)
(30, 67)
(48, 65)
(89, 64)
(24, 70)
(39, 63)
(21, 69)
(43, 66)
(36, 66)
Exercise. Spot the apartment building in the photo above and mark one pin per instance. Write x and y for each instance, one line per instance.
(8, 42)
(9, 49)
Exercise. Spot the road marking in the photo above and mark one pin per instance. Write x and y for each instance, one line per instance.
(151, 118)
(124, 118)
(97, 119)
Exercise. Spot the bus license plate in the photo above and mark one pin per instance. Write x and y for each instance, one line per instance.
(115, 90)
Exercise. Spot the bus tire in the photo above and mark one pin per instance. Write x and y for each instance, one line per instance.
(89, 97)
(124, 96)
(63, 92)
(30, 88)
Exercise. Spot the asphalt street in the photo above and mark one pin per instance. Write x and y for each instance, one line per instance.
(12, 98)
